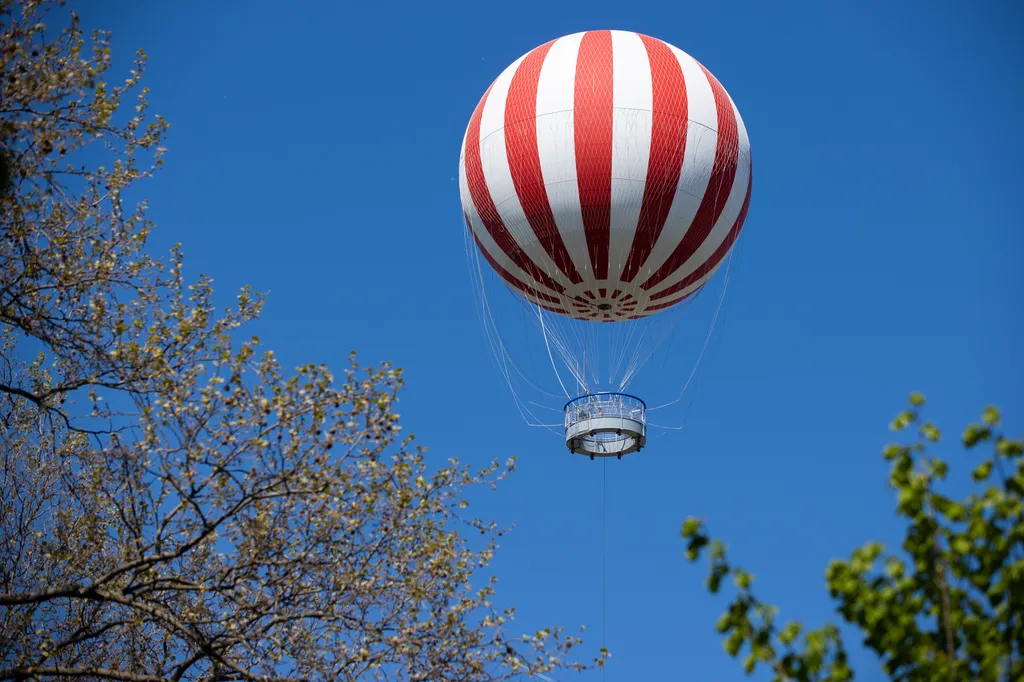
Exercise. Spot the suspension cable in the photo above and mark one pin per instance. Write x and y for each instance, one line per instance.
(604, 541)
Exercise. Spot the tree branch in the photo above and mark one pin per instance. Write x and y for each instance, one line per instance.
(55, 671)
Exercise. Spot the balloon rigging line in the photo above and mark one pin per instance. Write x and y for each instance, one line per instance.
(707, 339)
(545, 407)
(623, 352)
(495, 330)
(631, 367)
(557, 336)
(550, 357)
(568, 357)
(526, 315)
(504, 358)
(651, 347)
(561, 345)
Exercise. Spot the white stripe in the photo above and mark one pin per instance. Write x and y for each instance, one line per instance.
(678, 296)
(718, 233)
(476, 224)
(492, 118)
(556, 145)
(730, 212)
(632, 123)
(498, 174)
(698, 161)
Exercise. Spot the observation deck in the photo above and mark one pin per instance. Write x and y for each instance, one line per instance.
(605, 425)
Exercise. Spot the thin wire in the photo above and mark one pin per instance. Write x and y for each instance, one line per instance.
(707, 339)
(547, 345)
(604, 541)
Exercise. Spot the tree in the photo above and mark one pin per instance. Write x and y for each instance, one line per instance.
(949, 606)
(173, 504)
(5, 173)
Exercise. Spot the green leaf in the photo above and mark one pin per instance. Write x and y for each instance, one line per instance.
(902, 420)
(894, 568)
(733, 642)
(930, 432)
(938, 468)
(892, 451)
(696, 544)
(956, 512)
(714, 582)
(975, 434)
(961, 545)
(1010, 448)
(790, 633)
(690, 526)
(916, 399)
(983, 471)
(991, 416)
(742, 579)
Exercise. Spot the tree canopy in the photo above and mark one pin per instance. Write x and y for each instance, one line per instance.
(174, 504)
(948, 605)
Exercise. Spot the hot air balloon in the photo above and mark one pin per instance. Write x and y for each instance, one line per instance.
(604, 177)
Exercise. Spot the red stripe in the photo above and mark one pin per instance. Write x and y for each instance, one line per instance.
(716, 258)
(668, 145)
(723, 173)
(509, 277)
(592, 104)
(485, 204)
(524, 160)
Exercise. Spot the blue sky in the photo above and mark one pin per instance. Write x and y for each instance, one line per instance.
(312, 155)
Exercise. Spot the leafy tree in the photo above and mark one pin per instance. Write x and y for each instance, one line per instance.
(173, 504)
(949, 606)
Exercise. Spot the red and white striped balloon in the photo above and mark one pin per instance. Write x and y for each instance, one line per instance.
(605, 175)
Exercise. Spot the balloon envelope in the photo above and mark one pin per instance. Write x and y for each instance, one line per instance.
(605, 175)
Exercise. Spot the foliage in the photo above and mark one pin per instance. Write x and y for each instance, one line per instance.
(950, 606)
(173, 504)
